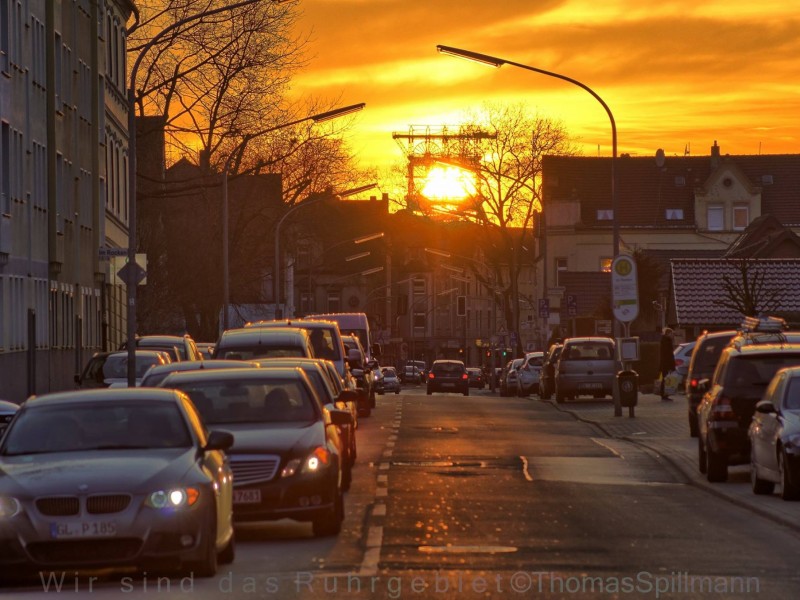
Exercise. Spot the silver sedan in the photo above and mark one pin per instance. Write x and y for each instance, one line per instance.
(114, 478)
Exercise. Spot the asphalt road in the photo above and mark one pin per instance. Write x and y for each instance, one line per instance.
(489, 497)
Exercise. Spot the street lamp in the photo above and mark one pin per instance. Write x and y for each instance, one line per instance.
(133, 271)
(319, 118)
(498, 62)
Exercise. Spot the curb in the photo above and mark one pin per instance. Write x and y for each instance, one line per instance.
(689, 475)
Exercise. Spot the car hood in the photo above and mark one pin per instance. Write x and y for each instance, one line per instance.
(98, 470)
(274, 438)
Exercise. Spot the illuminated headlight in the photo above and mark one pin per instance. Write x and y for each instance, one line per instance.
(318, 460)
(173, 498)
(8, 507)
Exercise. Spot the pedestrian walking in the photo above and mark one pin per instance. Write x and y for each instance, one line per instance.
(666, 359)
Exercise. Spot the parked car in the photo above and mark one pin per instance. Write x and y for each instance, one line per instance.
(476, 378)
(157, 373)
(112, 479)
(286, 457)
(180, 347)
(530, 373)
(726, 410)
(391, 381)
(248, 343)
(707, 350)
(774, 434)
(206, 349)
(377, 376)
(683, 355)
(7, 412)
(547, 383)
(448, 376)
(586, 367)
(507, 381)
(110, 369)
(357, 361)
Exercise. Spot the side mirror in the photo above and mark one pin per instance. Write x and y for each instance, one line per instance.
(340, 417)
(218, 440)
(703, 385)
(765, 407)
(348, 396)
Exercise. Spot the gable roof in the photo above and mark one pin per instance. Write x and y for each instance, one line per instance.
(765, 237)
(646, 191)
(698, 286)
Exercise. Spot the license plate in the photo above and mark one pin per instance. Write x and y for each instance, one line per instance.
(83, 529)
(448, 385)
(246, 496)
(590, 386)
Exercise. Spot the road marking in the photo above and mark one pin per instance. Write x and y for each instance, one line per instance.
(381, 492)
(525, 468)
(384, 466)
(379, 510)
(383, 478)
(467, 549)
(387, 453)
(607, 447)
(375, 536)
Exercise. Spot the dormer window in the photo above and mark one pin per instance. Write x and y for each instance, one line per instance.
(716, 218)
(741, 217)
(674, 214)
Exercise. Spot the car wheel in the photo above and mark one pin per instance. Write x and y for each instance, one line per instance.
(789, 488)
(760, 486)
(228, 553)
(716, 466)
(365, 411)
(353, 450)
(330, 523)
(693, 428)
(429, 392)
(560, 397)
(347, 474)
(466, 392)
(701, 456)
(397, 391)
(206, 566)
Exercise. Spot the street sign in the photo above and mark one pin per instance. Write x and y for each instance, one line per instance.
(572, 305)
(624, 289)
(139, 273)
(544, 307)
(106, 253)
(513, 339)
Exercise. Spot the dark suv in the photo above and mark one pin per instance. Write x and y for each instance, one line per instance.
(723, 417)
(705, 355)
(448, 376)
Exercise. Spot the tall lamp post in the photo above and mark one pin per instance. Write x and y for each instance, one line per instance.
(499, 62)
(318, 118)
(132, 279)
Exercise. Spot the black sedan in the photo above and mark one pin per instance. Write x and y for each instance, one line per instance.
(286, 460)
(114, 478)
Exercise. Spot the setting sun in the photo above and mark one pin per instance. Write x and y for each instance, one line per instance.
(448, 183)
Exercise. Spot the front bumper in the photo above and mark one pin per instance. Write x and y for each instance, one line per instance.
(302, 497)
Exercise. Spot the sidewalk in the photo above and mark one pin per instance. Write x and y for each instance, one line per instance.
(663, 427)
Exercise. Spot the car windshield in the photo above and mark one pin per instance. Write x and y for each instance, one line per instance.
(260, 352)
(251, 400)
(115, 366)
(93, 426)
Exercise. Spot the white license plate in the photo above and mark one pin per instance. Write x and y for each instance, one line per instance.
(246, 496)
(590, 386)
(83, 529)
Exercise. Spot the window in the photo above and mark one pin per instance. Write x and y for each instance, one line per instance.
(605, 215)
(741, 217)
(334, 301)
(716, 218)
(418, 285)
(420, 320)
(306, 303)
(673, 214)
(561, 265)
(605, 264)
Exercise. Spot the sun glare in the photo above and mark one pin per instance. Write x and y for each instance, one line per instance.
(448, 183)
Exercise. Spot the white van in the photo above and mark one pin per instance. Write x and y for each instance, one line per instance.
(351, 324)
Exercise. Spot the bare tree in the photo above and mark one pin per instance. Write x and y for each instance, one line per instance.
(747, 292)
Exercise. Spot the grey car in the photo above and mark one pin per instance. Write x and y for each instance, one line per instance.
(585, 367)
(112, 479)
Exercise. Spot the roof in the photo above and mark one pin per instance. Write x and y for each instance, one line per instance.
(646, 190)
(104, 395)
(262, 335)
(765, 237)
(698, 287)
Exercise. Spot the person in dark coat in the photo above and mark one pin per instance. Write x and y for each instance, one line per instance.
(666, 359)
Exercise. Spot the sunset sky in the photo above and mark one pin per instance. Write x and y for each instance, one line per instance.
(675, 73)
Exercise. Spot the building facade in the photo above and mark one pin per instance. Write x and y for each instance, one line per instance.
(63, 187)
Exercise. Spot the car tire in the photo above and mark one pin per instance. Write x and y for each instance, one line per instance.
(466, 392)
(789, 488)
(353, 450)
(228, 553)
(365, 412)
(694, 430)
(397, 392)
(330, 523)
(716, 466)
(429, 392)
(762, 487)
(206, 566)
(560, 397)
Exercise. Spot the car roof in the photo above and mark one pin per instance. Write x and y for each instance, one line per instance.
(298, 323)
(198, 365)
(103, 395)
(748, 349)
(448, 361)
(594, 338)
(259, 334)
(232, 374)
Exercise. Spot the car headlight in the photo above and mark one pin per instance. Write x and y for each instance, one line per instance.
(173, 498)
(9, 507)
(315, 462)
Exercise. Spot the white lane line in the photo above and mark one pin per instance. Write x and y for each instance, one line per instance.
(387, 453)
(381, 492)
(607, 447)
(384, 466)
(379, 510)
(383, 479)
(525, 471)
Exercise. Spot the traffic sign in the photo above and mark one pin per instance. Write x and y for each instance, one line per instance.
(139, 273)
(572, 305)
(624, 289)
(106, 253)
(544, 307)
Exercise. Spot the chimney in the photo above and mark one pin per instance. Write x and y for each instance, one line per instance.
(715, 156)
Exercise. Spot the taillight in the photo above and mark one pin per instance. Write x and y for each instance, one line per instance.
(721, 410)
(678, 362)
(430, 375)
(693, 382)
(464, 376)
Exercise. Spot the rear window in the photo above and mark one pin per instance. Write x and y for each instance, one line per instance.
(589, 351)
(749, 376)
(260, 352)
(707, 353)
(445, 368)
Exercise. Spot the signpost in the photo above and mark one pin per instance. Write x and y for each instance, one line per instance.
(544, 308)
(572, 305)
(625, 303)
